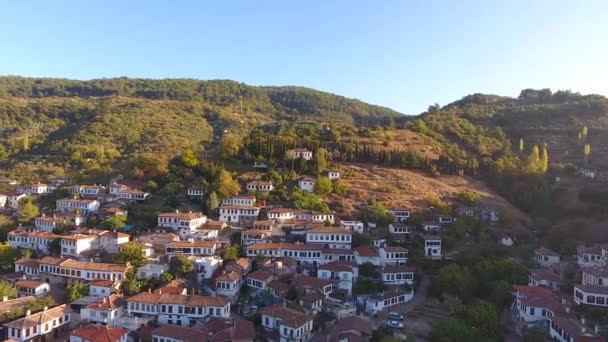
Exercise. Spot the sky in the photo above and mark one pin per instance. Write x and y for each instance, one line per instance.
(403, 54)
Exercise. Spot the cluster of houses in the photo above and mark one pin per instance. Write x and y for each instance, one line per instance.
(543, 304)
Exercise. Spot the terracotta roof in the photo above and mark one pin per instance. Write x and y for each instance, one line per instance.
(39, 318)
(338, 266)
(281, 210)
(30, 284)
(310, 282)
(365, 252)
(307, 179)
(301, 150)
(544, 274)
(198, 243)
(51, 261)
(260, 275)
(289, 317)
(397, 269)
(243, 207)
(255, 231)
(358, 323)
(16, 303)
(94, 266)
(329, 229)
(98, 333)
(278, 285)
(572, 326)
(228, 277)
(112, 302)
(338, 251)
(183, 216)
(312, 297)
(287, 246)
(180, 333)
(167, 298)
(78, 237)
(394, 249)
(72, 200)
(28, 262)
(237, 330)
(596, 271)
(589, 250)
(243, 262)
(528, 291)
(259, 182)
(432, 237)
(101, 283)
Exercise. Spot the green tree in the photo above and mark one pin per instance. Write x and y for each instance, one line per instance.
(454, 330)
(8, 255)
(229, 146)
(166, 277)
(533, 161)
(131, 253)
(54, 246)
(27, 210)
(131, 285)
(359, 239)
(505, 217)
(230, 253)
(309, 201)
(115, 222)
(190, 158)
(226, 186)
(212, 201)
(339, 187)
(7, 289)
(377, 213)
(455, 280)
(469, 198)
(586, 153)
(76, 291)
(323, 186)
(481, 315)
(180, 266)
(320, 160)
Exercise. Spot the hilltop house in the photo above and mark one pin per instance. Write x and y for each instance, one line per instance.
(240, 214)
(400, 214)
(84, 206)
(177, 309)
(290, 324)
(259, 185)
(195, 192)
(546, 258)
(301, 153)
(333, 237)
(306, 184)
(589, 256)
(333, 175)
(39, 325)
(432, 246)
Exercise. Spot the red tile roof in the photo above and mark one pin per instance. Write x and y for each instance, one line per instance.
(260, 275)
(229, 331)
(110, 303)
(180, 333)
(98, 333)
(365, 252)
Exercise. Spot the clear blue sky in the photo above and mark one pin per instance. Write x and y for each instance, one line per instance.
(402, 54)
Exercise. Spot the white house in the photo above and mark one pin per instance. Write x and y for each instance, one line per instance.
(543, 277)
(353, 226)
(306, 184)
(431, 226)
(535, 305)
(588, 173)
(84, 206)
(333, 175)
(259, 280)
(432, 246)
(393, 255)
(398, 275)
(259, 185)
(206, 266)
(546, 258)
(314, 216)
(12, 200)
(343, 272)
(301, 153)
(241, 214)
(46, 224)
(29, 267)
(588, 256)
(333, 237)
(228, 285)
(36, 189)
(176, 308)
(195, 192)
(300, 252)
(97, 333)
(281, 215)
(569, 328)
(176, 220)
(42, 323)
(596, 295)
(74, 245)
(55, 270)
(400, 214)
(290, 324)
(3, 201)
(27, 288)
(102, 288)
(253, 236)
(36, 241)
(364, 255)
(595, 276)
(400, 231)
(106, 311)
(239, 200)
(190, 248)
(86, 191)
(392, 296)
(152, 271)
(122, 191)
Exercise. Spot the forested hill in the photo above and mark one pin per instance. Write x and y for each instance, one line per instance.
(278, 102)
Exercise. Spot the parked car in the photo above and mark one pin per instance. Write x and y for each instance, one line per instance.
(395, 324)
(395, 316)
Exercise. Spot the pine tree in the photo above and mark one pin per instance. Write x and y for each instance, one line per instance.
(521, 145)
(587, 152)
(544, 161)
(212, 202)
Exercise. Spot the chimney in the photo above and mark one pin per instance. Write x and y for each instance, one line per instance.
(596, 328)
(43, 215)
(4, 298)
(567, 309)
(583, 321)
(177, 211)
(160, 291)
(27, 313)
(190, 212)
(103, 300)
(583, 330)
(45, 308)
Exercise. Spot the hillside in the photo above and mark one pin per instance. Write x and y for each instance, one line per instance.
(403, 188)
